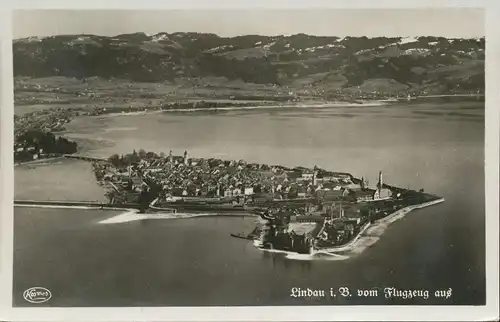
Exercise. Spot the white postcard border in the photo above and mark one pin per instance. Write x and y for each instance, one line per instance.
(389, 313)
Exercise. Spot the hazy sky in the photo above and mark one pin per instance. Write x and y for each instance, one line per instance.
(456, 22)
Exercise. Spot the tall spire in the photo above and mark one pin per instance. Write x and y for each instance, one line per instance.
(380, 181)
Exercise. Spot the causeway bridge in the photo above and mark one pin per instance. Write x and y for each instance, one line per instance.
(82, 157)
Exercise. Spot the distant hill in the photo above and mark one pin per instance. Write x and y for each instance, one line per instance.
(325, 64)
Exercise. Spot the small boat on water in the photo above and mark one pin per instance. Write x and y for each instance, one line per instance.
(251, 236)
(242, 236)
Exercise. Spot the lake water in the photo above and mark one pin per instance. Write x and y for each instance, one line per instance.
(438, 147)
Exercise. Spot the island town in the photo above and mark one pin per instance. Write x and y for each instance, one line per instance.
(302, 209)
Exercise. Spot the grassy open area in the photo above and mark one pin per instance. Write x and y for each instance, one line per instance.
(38, 93)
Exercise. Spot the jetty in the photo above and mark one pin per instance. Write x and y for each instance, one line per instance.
(76, 204)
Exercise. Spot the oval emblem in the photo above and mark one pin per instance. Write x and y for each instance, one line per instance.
(37, 295)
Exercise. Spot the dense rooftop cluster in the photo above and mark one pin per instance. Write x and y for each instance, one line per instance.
(180, 177)
(52, 120)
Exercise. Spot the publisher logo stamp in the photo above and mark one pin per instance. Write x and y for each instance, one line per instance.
(37, 295)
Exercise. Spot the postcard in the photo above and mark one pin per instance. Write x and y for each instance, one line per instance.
(249, 164)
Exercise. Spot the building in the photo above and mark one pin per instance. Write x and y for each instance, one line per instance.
(365, 195)
(363, 184)
(277, 196)
(350, 229)
(307, 176)
(332, 195)
(302, 192)
(176, 192)
(353, 220)
(381, 192)
(331, 186)
(310, 218)
(310, 207)
(137, 183)
(335, 176)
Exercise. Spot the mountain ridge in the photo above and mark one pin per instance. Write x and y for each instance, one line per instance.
(320, 64)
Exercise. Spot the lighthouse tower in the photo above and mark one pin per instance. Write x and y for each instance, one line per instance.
(380, 181)
(186, 157)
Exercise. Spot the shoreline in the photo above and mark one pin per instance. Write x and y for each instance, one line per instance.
(312, 104)
(246, 105)
(334, 252)
(389, 219)
(133, 214)
(38, 161)
(276, 105)
(236, 107)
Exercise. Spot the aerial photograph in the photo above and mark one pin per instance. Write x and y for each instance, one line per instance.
(272, 158)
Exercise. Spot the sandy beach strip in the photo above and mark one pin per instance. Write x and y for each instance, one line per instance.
(371, 233)
(367, 237)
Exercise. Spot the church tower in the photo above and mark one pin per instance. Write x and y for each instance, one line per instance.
(170, 157)
(186, 157)
(315, 176)
(363, 183)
